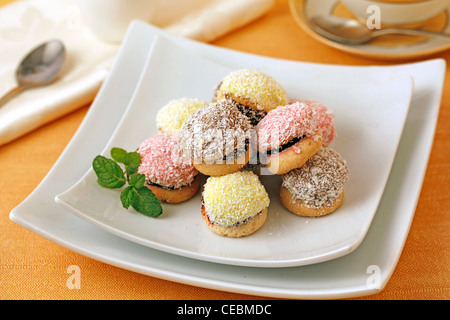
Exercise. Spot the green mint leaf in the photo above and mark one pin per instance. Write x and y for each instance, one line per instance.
(145, 202)
(132, 160)
(137, 180)
(126, 197)
(136, 194)
(109, 173)
(118, 154)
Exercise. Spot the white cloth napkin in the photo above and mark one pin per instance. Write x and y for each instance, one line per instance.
(26, 23)
(206, 20)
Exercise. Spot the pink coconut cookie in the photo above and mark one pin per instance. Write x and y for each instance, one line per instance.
(324, 119)
(168, 173)
(287, 137)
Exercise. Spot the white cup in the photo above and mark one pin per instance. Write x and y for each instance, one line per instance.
(109, 19)
(400, 12)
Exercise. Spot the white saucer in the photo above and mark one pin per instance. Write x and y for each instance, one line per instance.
(302, 10)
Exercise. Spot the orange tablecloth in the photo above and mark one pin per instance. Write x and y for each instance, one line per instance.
(32, 267)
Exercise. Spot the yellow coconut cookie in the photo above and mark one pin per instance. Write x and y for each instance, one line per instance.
(171, 116)
(235, 205)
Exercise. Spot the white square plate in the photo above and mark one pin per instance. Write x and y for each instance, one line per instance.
(338, 278)
(369, 120)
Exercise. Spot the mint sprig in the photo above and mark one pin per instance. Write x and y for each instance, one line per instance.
(111, 175)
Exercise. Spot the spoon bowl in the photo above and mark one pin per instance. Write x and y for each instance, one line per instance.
(349, 31)
(38, 68)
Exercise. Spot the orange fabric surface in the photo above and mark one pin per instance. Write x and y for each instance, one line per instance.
(32, 267)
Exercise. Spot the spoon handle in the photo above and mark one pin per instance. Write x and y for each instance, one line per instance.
(414, 32)
(10, 94)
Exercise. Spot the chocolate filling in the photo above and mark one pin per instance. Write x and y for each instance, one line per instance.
(158, 185)
(290, 143)
(237, 153)
(205, 214)
(150, 183)
(254, 116)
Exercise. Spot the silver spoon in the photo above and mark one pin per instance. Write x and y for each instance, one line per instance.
(349, 31)
(38, 68)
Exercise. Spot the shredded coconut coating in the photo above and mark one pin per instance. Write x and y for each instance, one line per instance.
(171, 117)
(163, 163)
(325, 120)
(214, 131)
(233, 198)
(320, 181)
(285, 123)
(261, 89)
